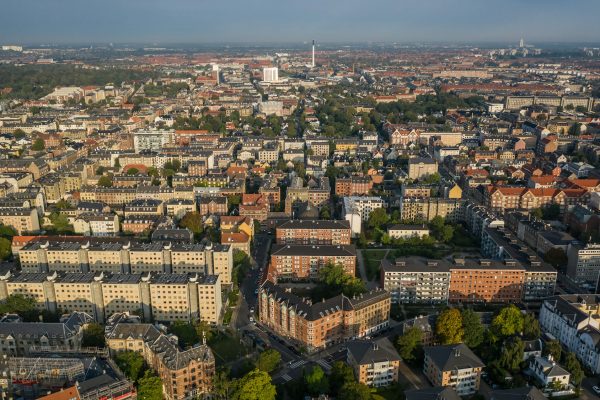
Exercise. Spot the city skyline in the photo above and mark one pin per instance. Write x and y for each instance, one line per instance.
(184, 21)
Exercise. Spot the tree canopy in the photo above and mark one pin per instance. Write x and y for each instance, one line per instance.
(131, 363)
(508, 322)
(473, 328)
(150, 387)
(255, 385)
(316, 381)
(268, 360)
(410, 344)
(449, 327)
(93, 335)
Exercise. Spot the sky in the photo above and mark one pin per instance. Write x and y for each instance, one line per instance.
(290, 21)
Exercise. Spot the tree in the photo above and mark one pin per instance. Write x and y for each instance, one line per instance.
(19, 304)
(60, 222)
(204, 331)
(378, 218)
(556, 257)
(93, 335)
(448, 326)
(572, 365)
(7, 231)
(5, 248)
(537, 213)
(316, 381)
(472, 327)
(19, 134)
(512, 354)
(552, 348)
(150, 387)
(551, 212)
(508, 322)
(410, 344)
(531, 327)
(153, 172)
(447, 233)
(355, 391)
(105, 181)
(133, 171)
(38, 145)
(62, 204)
(432, 178)
(255, 385)
(340, 374)
(193, 221)
(222, 385)
(268, 360)
(131, 363)
(185, 332)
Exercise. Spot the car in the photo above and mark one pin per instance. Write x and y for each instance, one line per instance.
(251, 310)
(251, 319)
(596, 389)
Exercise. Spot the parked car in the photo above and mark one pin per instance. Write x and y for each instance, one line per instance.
(596, 389)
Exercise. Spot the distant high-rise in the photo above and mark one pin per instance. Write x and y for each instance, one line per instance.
(215, 68)
(522, 43)
(271, 74)
(313, 54)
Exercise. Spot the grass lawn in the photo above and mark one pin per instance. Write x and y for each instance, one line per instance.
(372, 260)
(227, 347)
(393, 392)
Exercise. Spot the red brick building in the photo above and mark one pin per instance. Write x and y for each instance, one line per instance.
(313, 232)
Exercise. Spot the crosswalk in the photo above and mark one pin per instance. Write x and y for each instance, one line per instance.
(324, 364)
(297, 364)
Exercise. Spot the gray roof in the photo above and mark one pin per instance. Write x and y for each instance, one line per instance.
(523, 393)
(315, 224)
(313, 250)
(368, 352)
(67, 328)
(454, 356)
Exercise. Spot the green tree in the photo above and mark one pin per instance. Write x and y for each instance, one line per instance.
(268, 360)
(150, 387)
(131, 363)
(447, 233)
(153, 172)
(7, 231)
(473, 328)
(133, 171)
(5, 248)
(105, 181)
(193, 221)
(60, 222)
(185, 332)
(19, 134)
(18, 304)
(255, 385)
(556, 257)
(531, 327)
(316, 381)
(410, 344)
(93, 335)
(512, 354)
(537, 213)
(552, 348)
(449, 327)
(222, 385)
(378, 218)
(340, 374)
(62, 204)
(38, 145)
(204, 331)
(508, 322)
(355, 391)
(572, 365)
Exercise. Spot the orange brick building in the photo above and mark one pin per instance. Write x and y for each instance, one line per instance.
(353, 186)
(313, 232)
(302, 262)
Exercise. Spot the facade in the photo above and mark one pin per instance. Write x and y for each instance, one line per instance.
(574, 321)
(427, 208)
(419, 167)
(353, 186)
(160, 297)
(317, 232)
(144, 140)
(453, 366)
(185, 374)
(24, 220)
(304, 261)
(584, 264)
(400, 231)
(357, 209)
(271, 74)
(126, 257)
(416, 280)
(375, 363)
(322, 324)
(18, 338)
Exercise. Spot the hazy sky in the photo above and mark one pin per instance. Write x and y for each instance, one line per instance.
(201, 21)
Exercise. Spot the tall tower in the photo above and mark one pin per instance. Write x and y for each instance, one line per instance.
(313, 54)
(522, 43)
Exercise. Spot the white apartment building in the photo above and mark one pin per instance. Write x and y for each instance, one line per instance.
(574, 321)
(358, 208)
(271, 74)
(416, 280)
(152, 140)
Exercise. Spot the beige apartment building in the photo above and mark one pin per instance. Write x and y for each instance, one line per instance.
(24, 220)
(116, 256)
(154, 297)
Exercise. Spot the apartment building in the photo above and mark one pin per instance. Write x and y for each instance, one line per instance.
(353, 186)
(427, 208)
(255, 206)
(90, 254)
(144, 140)
(292, 261)
(213, 205)
(416, 280)
(574, 320)
(317, 196)
(322, 324)
(375, 364)
(454, 366)
(584, 263)
(141, 207)
(501, 198)
(486, 281)
(357, 209)
(185, 374)
(18, 338)
(317, 232)
(23, 220)
(404, 231)
(90, 224)
(159, 297)
(177, 208)
(421, 167)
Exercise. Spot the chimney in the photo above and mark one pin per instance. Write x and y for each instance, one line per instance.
(457, 352)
